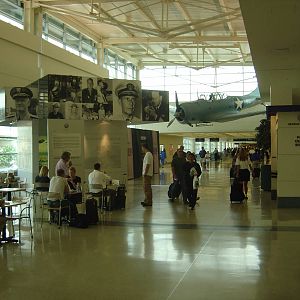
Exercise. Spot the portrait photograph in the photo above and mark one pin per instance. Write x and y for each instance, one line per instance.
(72, 86)
(21, 103)
(56, 110)
(104, 103)
(155, 106)
(88, 112)
(127, 100)
(89, 91)
(73, 111)
(56, 91)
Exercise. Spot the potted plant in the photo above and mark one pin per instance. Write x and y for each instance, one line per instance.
(263, 140)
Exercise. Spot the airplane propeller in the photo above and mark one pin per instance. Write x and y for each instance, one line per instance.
(179, 113)
(171, 122)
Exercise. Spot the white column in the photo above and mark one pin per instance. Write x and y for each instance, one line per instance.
(28, 17)
(100, 54)
(285, 143)
(38, 22)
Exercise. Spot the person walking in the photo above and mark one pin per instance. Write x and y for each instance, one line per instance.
(243, 167)
(191, 170)
(147, 173)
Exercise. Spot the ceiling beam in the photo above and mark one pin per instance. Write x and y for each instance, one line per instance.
(74, 2)
(192, 40)
(201, 27)
(148, 14)
(206, 46)
(225, 10)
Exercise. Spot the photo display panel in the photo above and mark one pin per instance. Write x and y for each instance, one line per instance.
(155, 106)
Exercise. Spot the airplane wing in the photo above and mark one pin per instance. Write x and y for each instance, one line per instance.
(239, 116)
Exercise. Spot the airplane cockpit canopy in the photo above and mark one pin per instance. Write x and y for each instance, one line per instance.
(216, 96)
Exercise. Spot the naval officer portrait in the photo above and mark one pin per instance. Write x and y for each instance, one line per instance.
(22, 97)
(128, 96)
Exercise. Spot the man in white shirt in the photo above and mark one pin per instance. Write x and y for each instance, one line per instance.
(147, 175)
(57, 189)
(98, 177)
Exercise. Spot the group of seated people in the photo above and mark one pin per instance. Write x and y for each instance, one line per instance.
(67, 186)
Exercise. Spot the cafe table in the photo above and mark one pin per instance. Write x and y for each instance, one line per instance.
(9, 205)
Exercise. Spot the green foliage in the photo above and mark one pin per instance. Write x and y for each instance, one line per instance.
(263, 135)
(7, 156)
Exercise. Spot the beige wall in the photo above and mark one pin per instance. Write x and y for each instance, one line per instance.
(25, 58)
(168, 140)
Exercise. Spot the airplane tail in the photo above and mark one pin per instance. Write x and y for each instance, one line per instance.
(253, 94)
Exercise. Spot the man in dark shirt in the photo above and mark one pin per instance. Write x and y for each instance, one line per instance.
(177, 171)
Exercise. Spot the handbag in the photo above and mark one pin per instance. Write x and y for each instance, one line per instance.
(195, 183)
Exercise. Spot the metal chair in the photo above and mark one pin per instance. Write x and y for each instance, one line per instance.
(24, 213)
(51, 196)
(97, 191)
(42, 189)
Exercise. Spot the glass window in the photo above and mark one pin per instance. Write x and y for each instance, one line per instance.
(11, 12)
(8, 148)
(193, 84)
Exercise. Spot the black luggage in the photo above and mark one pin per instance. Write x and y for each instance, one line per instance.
(174, 190)
(80, 221)
(265, 178)
(121, 197)
(236, 193)
(91, 211)
(256, 172)
(232, 172)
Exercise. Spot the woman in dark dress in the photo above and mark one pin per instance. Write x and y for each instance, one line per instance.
(43, 178)
(191, 169)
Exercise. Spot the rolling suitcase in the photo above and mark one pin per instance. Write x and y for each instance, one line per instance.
(236, 192)
(174, 190)
(121, 197)
(256, 172)
(91, 211)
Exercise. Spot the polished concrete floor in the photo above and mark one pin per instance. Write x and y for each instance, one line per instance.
(217, 251)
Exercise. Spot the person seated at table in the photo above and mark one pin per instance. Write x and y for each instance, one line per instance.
(74, 181)
(10, 179)
(98, 177)
(58, 185)
(43, 178)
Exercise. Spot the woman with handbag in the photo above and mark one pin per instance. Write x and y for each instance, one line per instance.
(243, 167)
(192, 171)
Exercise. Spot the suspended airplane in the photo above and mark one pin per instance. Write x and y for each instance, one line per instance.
(217, 108)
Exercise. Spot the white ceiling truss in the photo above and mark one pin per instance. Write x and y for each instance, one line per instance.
(192, 33)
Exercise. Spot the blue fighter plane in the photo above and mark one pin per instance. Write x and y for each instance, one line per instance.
(217, 109)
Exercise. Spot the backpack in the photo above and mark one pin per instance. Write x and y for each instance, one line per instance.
(202, 153)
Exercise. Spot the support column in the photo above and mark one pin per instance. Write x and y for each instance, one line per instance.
(100, 54)
(38, 22)
(285, 141)
(28, 17)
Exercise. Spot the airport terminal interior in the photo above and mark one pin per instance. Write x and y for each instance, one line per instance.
(102, 78)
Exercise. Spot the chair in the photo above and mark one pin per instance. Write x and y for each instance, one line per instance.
(24, 213)
(63, 204)
(97, 191)
(41, 189)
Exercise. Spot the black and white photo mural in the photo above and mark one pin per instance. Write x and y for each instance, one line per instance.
(127, 103)
(21, 103)
(63, 88)
(75, 98)
(155, 105)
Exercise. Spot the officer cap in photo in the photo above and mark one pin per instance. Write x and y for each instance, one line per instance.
(74, 105)
(20, 92)
(56, 104)
(127, 90)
